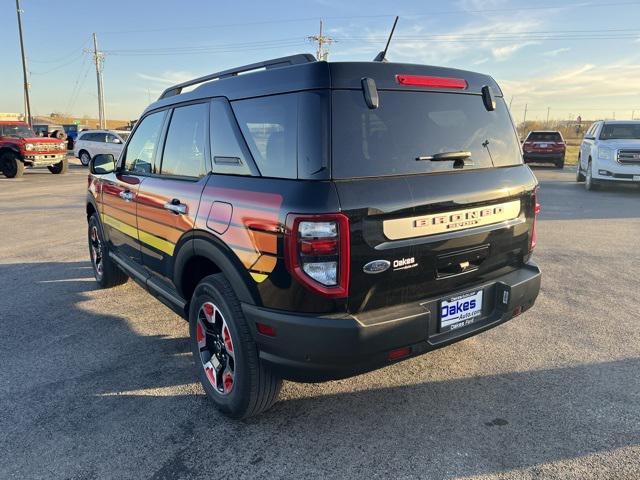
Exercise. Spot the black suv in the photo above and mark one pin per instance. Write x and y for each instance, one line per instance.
(317, 220)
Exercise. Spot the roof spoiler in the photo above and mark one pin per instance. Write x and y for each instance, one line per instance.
(268, 64)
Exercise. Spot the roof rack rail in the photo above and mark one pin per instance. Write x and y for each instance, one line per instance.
(268, 64)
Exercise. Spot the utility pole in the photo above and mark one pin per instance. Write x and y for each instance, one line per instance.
(547, 122)
(98, 58)
(27, 101)
(510, 102)
(321, 40)
(524, 120)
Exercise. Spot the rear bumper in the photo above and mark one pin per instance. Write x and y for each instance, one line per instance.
(311, 348)
(543, 157)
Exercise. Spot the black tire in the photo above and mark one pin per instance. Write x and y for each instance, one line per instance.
(11, 165)
(84, 157)
(61, 167)
(253, 387)
(59, 134)
(589, 183)
(560, 164)
(107, 273)
(579, 175)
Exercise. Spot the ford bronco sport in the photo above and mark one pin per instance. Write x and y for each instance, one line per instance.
(20, 148)
(317, 220)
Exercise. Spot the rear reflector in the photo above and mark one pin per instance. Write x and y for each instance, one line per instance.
(399, 353)
(433, 82)
(265, 329)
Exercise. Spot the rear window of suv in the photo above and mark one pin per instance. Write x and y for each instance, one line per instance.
(544, 137)
(407, 125)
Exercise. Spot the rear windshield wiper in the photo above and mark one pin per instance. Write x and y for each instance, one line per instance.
(457, 157)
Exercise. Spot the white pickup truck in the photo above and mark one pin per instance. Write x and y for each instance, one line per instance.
(610, 152)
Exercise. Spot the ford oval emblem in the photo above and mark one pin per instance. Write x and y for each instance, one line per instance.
(376, 266)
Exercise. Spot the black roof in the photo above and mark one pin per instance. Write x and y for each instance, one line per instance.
(302, 72)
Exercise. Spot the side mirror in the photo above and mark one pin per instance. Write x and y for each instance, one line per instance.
(102, 164)
(118, 141)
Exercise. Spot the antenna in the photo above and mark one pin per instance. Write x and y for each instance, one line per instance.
(381, 57)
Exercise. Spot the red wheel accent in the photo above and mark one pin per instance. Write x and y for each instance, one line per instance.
(199, 333)
(226, 337)
(227, 381)
(209, 310)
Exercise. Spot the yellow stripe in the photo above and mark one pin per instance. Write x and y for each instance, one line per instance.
(121, 226)
(258, 277)
(156, 242)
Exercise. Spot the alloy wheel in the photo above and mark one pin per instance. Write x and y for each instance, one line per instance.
(216, 348)
(96, 251)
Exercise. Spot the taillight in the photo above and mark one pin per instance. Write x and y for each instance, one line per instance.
(317, 252)
(536, 211)
(433, 82)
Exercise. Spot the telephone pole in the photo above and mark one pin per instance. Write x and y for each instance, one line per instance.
(98, 58)
(322, 40)
(547, 122)
(27, 101)
(524, 120)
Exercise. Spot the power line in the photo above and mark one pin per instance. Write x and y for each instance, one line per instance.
(582, 5)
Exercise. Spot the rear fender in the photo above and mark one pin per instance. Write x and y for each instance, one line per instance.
(203, 244)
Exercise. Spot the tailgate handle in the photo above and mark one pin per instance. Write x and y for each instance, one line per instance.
(461, 262)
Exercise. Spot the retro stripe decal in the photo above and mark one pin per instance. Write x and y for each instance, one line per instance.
(156, 242)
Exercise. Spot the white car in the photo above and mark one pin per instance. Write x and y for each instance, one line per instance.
(93, 142)
(610, 152)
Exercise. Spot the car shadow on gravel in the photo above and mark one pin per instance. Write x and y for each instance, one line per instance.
(95, 395)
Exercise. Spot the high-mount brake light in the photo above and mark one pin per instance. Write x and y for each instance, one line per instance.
(317, 252)
(432, 82)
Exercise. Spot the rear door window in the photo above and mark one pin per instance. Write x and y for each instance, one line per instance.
(184, 149)
(407, 125)
(229, 152)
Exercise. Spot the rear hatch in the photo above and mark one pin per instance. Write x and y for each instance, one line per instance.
(544, 142)
(441, 224)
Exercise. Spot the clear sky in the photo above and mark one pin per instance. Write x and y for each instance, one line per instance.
(575, 57)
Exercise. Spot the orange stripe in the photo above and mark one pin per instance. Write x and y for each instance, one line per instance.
(118, 214)
(159, 230)
(266, 263)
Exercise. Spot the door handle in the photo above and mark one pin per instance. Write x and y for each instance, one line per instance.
(127, 195)
(176, 207)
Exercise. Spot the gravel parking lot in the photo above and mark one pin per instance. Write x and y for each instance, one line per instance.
(99, 384)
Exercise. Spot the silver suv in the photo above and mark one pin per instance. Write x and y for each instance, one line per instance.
(610, 152)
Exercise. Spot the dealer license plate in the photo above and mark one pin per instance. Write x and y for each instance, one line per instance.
(460, 311)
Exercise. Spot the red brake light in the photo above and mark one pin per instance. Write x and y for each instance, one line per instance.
(433, 82)
(317, 252)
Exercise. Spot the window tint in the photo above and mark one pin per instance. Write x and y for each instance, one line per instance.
(111, 137)
(544, 137)
(270, 127)
(184, 148)
(227, 146)
(408, 125)
(140, 153)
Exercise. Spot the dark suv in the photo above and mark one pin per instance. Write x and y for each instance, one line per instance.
(544, 146)
(317, 220)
